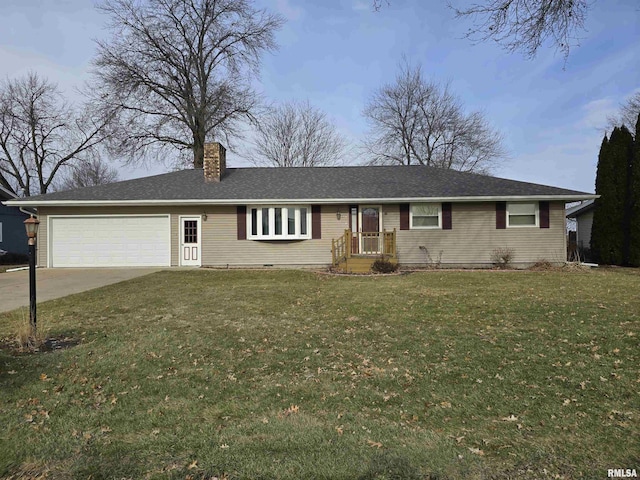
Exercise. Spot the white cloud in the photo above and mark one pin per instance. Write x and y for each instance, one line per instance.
(596, 113)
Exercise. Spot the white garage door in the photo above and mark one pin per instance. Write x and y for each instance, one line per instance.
(110, 241)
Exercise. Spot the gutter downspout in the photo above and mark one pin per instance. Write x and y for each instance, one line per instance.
(28, 213)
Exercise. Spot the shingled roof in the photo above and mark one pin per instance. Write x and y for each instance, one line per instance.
(319, 184)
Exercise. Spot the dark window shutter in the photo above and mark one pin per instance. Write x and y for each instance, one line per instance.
(544, 214)
(501, 215)
(316, 222)
(446, 216)
(404, 216)
(242, 222)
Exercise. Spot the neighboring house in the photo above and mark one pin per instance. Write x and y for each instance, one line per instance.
(301, 217)
(13, 238)
(583, 214)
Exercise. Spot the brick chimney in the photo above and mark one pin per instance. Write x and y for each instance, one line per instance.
(215, 161)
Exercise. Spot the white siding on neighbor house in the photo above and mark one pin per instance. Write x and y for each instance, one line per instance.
(474, 237)
(583, 229)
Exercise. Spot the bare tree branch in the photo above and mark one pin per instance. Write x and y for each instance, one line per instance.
(525, 25)
(297, 135)
(88, 173)
(40, 134)
(628, 114)
(179, 71)
(415, 121)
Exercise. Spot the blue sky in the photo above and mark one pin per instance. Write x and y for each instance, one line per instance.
(335, 53)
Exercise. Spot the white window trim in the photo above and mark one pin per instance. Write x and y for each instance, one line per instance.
(537, 215)
(197, 218)
(412, 227)
(272, 222)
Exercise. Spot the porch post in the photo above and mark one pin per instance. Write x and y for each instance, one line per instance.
(333, 252)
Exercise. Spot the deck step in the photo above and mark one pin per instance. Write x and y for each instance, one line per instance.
(360, 264)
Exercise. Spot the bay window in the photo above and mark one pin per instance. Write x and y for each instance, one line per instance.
(279, 223)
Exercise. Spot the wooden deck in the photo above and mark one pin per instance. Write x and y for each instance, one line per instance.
(355, 252)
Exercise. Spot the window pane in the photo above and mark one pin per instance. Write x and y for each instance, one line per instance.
(425, 221)
(522, 219)
(291, 220)
(522, 209)
(265, 221)
(278, 221)
(254, 221)
(303, 221)
(190, 231)
(425, 209)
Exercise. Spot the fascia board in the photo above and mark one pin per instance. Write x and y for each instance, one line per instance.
(285, 201)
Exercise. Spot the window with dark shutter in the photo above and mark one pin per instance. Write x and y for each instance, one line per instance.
(316, 222)
(446, 216)
(404, 216)
(544, 214)
(242, 222)
(501, 215)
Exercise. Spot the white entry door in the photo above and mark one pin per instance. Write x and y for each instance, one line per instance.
(190, 242)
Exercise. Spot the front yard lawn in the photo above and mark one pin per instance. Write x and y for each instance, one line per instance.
(294, 375)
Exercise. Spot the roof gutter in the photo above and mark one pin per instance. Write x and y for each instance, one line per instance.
(286, 201)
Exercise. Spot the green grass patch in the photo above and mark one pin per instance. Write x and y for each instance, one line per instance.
(290, 375)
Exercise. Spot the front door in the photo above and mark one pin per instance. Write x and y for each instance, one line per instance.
(190, 242)
(370, 221)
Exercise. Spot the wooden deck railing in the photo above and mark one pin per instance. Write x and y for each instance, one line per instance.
(363, 243)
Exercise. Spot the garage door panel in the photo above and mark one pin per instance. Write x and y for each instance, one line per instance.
(110, 241)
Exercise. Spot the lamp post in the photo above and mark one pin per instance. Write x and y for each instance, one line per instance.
(31, 225)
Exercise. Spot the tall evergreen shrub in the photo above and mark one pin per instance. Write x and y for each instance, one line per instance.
(615, 232)
(634, 223)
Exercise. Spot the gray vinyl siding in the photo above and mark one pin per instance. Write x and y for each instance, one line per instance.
(174, 212)
(220, 246)
(41, 241)
(474, 236)
(471, 241)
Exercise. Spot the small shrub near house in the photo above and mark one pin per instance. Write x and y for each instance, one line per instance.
(501, 257)
(382, 265)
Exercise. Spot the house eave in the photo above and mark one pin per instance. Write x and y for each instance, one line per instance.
(285, 201)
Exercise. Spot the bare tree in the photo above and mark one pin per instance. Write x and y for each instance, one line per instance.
(296, 134)
(628, 114)
(89, 173)
(416, 121)
(41, 134)
(524, 25)
(179, 71)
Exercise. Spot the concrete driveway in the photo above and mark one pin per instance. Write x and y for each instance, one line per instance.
(59, 282)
